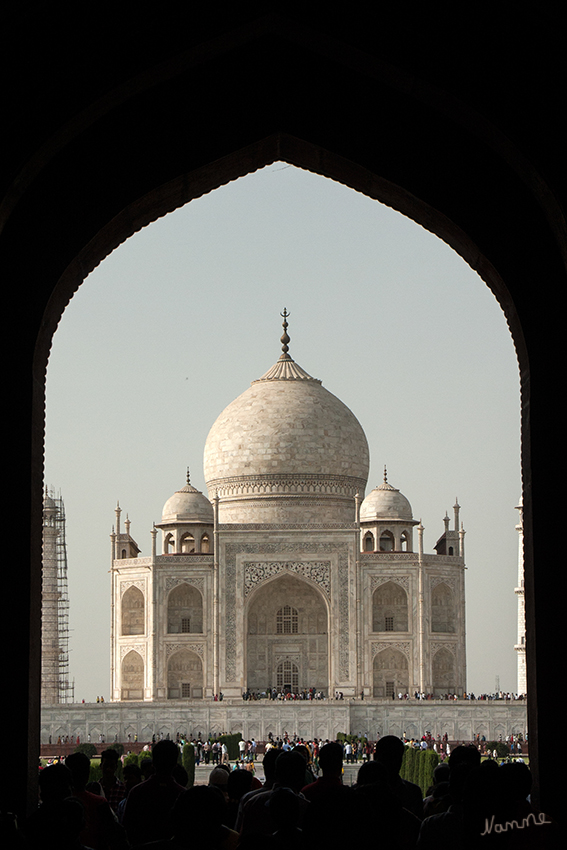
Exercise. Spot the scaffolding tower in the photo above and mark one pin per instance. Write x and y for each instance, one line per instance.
(55, 684)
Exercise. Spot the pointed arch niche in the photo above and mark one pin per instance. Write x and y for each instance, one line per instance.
(287, 636)
(133, 612)
(132, 670)
(390, 608)
(184, 675)
(184, 610)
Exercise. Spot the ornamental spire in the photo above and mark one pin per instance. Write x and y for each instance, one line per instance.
(285, 337)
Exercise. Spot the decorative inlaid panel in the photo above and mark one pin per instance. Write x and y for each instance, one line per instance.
(436, 645)
(172, 582)
(124, 585)
(197, 648)
(255, 573)
(377, 581)
(403, 646)
(450, 582)
(140, 648)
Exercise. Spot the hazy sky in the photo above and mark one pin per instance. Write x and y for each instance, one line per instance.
(178, 321)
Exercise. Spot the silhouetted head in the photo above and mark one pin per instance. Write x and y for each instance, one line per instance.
(164, 757)
(515, 781)
(55, 783)
(370, 773)
(390, 752)
(239, 783)
(132, 775)
(80, 766)
(303, 751)
(218, 778)
(108, 762)
(331, 759)
(269, 763)
(290, 770)
(465, 754)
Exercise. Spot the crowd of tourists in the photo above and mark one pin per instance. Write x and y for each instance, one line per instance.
(303, 802)
(283, 694)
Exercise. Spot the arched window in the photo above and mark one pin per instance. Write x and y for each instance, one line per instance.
(205, 544)
(386, 541)
(442, 609)
(133, 609)
(443, 669)
(287, 676)
(187, 544)
(132, 676)
(184, 610)
(287, 621)
(390, 673)
(390, 608)
(185, 676)
(404, 541)
(168, 544)
(369, 542)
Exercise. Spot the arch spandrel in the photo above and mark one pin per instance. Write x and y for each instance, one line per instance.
(315, 573)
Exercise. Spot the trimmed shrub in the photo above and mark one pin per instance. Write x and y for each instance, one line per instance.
(231, 742)
(502, 749)
(95, 773)
(88, 749)
(188, 762)
(418, 767)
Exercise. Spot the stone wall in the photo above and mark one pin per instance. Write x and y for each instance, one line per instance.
(461, 720)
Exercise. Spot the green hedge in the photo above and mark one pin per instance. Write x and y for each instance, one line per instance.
(88, 749)
(188, 762)
(231, 742)
(418, 767)
(502, 749)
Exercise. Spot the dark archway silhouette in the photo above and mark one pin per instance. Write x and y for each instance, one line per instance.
(453, 123)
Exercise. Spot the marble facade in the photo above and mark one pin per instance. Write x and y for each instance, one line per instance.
(286, 576)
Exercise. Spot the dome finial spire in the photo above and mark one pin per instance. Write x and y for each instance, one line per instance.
(385, 475)
(285, 337)
(188, 476)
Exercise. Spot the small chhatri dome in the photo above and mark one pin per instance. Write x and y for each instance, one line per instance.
(286, 450)
(187, 505)
(385, 502)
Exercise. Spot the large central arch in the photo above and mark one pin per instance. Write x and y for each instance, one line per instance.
(287, 637)
(435, 119)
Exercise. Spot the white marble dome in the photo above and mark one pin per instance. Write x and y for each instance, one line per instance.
(385, 502)
(286, 450)
(187, 505)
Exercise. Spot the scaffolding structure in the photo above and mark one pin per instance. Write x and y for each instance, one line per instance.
(55, 684)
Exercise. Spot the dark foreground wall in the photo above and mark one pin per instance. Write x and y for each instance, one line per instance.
(111, 120)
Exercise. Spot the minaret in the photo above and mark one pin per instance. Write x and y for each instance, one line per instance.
(520, 647)
(55, 685)
(49, 606)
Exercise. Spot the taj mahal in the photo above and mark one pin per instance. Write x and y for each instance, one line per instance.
(286, 576)
(286, 579)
